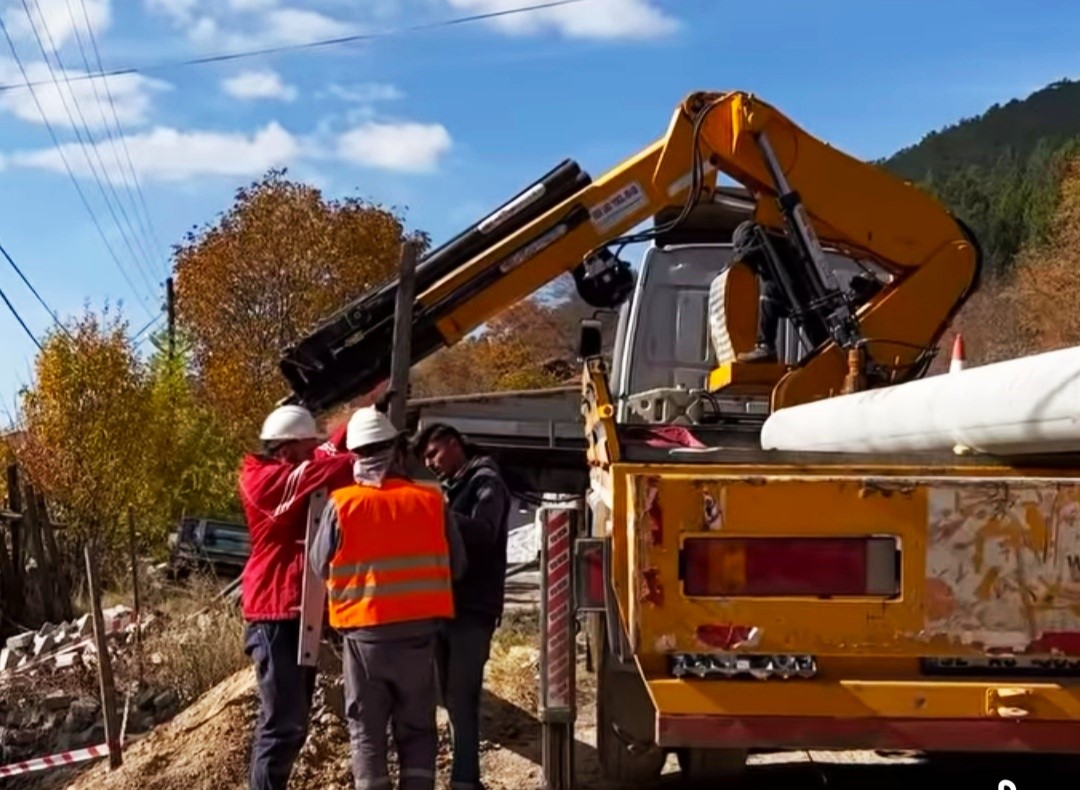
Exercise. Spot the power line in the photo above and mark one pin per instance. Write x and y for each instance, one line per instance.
(140, 265)
(33, 290)
(18, 318)
(121, 134)
(67, 166)
(221, 57)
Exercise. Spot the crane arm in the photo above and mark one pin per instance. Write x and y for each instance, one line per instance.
(813, 193)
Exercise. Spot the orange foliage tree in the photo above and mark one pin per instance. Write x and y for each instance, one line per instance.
(281, 259)
(531, 345)
(81, 442)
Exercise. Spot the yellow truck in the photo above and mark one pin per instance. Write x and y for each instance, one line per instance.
(735, 599)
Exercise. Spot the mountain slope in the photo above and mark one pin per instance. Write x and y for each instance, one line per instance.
(1001, 171)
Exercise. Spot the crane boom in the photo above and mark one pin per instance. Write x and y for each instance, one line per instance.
(803, 188)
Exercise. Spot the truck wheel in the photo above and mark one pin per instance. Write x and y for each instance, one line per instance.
(623, 703)
(706, 767)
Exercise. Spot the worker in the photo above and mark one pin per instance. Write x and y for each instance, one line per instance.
(275, 486)
(388, 551)
(747, 247)
(480, 502)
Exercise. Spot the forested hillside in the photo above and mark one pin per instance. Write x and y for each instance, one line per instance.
(1000, 171)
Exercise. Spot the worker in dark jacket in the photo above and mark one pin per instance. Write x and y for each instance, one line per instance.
(274, 488)
(480, 502)
(389, 553)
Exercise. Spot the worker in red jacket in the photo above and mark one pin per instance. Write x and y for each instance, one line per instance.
(274, 488)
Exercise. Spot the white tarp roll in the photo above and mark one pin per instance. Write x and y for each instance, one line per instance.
(1029, 405)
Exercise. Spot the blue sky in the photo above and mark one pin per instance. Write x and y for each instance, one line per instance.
(446, 123)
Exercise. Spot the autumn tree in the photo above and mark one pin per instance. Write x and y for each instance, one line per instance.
(530, 345)
(279, 261)
(190, 462)
(82, 443)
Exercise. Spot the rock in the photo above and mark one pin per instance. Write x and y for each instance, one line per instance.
(92, 735)
(43, 643)
(67, 659)
(144, 699)
(56, 701)
(8, 659)
(81, 714)
(165, 700)
(84, 625)
(21, 642)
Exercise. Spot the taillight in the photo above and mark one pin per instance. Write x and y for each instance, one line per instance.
(818, 567)
(589, 576)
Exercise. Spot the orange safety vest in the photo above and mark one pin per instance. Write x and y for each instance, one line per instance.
(393, 558)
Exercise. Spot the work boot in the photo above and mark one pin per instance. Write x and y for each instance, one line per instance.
(760, 353)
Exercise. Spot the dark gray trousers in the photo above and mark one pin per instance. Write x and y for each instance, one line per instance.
(285, 694)
(463, 650)
(391, 682)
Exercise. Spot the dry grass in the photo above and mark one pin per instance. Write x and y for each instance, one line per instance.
(514, 667)
(200, 643)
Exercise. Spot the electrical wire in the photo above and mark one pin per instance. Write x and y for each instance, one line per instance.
(19, 318)
(250, 53)
(67, 166)
(33, 290)
(126, 227)
(147, 228)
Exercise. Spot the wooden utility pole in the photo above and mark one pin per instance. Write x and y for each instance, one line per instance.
(105, 675)
(170, 313)
(135, 593)
(401, 359)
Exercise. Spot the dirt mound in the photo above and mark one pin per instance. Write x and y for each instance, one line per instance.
(205, 746)
(208, 745)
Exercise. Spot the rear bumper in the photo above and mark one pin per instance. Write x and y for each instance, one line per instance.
(819, 732)
(848, 714)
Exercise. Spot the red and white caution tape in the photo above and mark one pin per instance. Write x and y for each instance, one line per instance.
(69, 757)
(55, 760)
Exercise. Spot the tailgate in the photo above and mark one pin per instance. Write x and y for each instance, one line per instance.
(784, 574)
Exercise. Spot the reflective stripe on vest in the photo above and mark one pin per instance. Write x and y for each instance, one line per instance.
(393, 560)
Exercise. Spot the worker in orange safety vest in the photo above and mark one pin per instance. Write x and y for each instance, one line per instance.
(388, 551)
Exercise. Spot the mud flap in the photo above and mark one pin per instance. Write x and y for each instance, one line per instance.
(559, 527)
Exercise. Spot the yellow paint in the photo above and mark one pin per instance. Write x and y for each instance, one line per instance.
(1038, 533)
(851, 698)
(854, 206)
(986, 586)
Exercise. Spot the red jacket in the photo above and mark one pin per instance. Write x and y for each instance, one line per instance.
(275, 498)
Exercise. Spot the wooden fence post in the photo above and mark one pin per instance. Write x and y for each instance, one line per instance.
(105, 675)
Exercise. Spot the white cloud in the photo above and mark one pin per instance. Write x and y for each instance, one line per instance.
(181, 11)
(407, 147)
(132, 94)
(166, 154)
(603, 19)
(248, 24)
(364, 93)
(54, 20)
(262, 84)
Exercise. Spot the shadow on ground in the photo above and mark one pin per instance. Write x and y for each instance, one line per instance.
(517, 730)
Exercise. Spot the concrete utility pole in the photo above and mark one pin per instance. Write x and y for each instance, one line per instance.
(401, 358)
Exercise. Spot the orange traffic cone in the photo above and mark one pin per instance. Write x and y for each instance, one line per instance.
(959, 358)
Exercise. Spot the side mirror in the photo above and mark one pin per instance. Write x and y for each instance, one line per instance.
(591, 339)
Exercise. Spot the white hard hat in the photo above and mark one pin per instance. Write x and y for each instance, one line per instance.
(368, 426)
(289, 423)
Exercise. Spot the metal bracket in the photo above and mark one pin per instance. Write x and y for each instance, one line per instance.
(313, 591)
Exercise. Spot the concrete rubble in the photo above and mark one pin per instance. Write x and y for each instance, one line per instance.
(61, 644)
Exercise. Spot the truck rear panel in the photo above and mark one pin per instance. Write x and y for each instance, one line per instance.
(814, 607)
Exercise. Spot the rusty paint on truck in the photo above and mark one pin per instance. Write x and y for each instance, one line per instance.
(984, 568)
(1003, 565)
